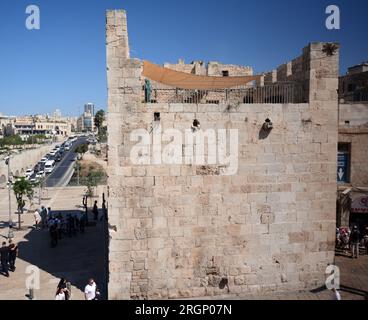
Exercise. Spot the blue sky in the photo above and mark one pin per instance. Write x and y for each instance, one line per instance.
(63, 64)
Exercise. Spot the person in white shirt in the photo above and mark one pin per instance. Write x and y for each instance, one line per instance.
(90, 291)
(60, 294)
(38, 219)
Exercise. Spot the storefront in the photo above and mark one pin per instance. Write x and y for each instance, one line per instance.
(359, 211)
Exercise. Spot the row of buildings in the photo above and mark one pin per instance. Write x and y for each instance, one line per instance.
(54, 125)
(48, 125)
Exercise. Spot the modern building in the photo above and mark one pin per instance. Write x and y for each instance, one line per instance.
(85, 122)
(89, 108)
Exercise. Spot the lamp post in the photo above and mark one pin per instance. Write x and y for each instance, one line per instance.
(10, 232)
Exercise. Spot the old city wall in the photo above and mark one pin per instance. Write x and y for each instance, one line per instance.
(190, 230)
(21, 162)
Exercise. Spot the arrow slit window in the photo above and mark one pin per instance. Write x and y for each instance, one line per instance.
(343, 163)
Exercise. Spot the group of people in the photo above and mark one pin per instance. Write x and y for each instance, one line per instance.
(91, 291)
(59, 225)
(347, 239)
(8, 255)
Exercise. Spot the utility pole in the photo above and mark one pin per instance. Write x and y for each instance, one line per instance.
(10, 231)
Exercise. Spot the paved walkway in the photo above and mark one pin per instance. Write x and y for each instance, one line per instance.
(77, 259)
(84, 256)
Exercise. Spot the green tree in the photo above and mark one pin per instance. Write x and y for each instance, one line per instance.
(22, 188)
(99, 119)
(13, 141)
(82, 149)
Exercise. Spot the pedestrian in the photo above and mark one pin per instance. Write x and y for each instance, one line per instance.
(81, 222)
(4, 257)
(104, 211)
(53, 233)
(62, 287)
(90, 291)
(37, 218)
(58, 228)
(366, 240)
(354, 242)
(13, 254)
(49, 213)
(95, 211)
(60, 294)
(44, 217)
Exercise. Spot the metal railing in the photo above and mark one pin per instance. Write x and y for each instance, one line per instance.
(356, 96)
(270, 94)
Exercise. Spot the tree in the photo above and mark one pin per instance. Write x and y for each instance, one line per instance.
(22, 188)
(14, 140)
(99, 119)
(82, 149)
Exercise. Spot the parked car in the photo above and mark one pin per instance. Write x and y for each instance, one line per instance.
(41, 165)
(43, 160)
(29, 173)
(49, 166)
(40, 175)
(58, 157)
(33, 179)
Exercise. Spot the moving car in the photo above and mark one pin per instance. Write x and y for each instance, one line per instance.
(49, 166)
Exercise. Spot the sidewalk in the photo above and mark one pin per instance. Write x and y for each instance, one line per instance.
(77, 259)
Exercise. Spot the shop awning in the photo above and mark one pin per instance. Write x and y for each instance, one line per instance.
(184, 80)
(360, 205)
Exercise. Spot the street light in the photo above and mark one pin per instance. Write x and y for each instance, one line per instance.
(10, 232)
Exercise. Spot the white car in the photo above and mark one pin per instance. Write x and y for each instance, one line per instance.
(49, 166)
(53, 153)
(67, 147)
(43, 160)
(40, 175)
(29, 173)
(33, 180)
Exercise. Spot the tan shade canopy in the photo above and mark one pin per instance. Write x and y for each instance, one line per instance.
(184, 80)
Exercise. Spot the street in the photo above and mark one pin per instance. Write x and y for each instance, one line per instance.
(62, 168)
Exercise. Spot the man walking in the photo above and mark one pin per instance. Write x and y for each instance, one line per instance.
(95, 211)
(44, 217)
(4, 257)
(354, 242)
(90, 291)
(13, 254)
